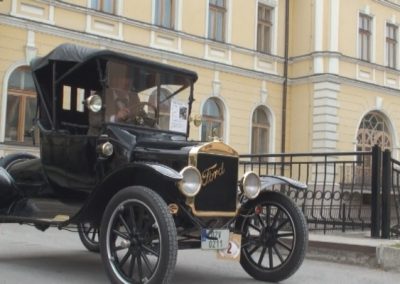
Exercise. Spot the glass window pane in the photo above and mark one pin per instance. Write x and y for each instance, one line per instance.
(219, 27)
(158, 14)
(167, 14)
(108, 6)
(211, 108)
(28, 81)
(95, 4)
(12, 118)
(29, 116)
(15, 81)
(211, 25)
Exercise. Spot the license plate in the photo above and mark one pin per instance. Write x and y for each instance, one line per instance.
(214, 239)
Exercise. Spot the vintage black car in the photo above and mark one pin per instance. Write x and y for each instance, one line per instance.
(116, 163)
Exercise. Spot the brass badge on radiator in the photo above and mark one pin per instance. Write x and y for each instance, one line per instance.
(212, 173)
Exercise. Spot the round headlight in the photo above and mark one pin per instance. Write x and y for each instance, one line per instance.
(191, 182)
(251, 185)
(94, 103)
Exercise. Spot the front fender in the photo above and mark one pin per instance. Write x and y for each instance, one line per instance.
(160, 178)
(161, 169)
(268, 181)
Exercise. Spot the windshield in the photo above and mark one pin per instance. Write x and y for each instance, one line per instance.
(145, 97)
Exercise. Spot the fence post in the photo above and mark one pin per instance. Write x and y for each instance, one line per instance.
(344, 218)
(386, 189)
(375, 192)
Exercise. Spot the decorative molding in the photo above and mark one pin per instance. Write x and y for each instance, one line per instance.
(104, 27)
(379, 103)
(216, 85)
(217, 52)
(149, 26)
(30, 48)
(40, 11)
(265, 64)
(394, 4)
(263, 92)
(166, 41)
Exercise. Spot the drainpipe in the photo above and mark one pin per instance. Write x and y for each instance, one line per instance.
(285, 78)
(285, 87)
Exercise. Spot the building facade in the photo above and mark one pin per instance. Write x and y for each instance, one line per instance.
(342, 75)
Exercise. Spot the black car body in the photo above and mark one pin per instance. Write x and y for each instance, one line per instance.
(115, 160)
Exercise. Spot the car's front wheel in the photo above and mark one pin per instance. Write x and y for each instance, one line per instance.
(274, 237)
(138, 241)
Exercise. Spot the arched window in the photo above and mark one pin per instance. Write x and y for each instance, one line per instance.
(260, 131)
(373, 130)
(213, 120)
(21, 106)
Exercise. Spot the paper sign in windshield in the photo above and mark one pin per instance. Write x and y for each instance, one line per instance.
(178, 116)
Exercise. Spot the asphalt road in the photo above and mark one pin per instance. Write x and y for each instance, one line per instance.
(30, 256)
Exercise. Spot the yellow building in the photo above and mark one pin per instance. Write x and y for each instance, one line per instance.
(342, 60)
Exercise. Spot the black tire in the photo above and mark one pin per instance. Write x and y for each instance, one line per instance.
(12, 159)
(274, 237)
(138, 241)
(89, 236)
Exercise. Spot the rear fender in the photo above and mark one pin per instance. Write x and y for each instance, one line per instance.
(158, 177)
(8, 190)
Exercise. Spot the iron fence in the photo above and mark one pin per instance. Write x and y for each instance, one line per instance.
(344, 189)
(394, 199)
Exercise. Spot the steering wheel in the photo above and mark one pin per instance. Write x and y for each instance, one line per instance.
(143, 117)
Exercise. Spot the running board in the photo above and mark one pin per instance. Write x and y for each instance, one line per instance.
(43, 210)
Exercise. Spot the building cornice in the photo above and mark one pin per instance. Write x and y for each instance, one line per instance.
(342, 57)
(394, 4)
(151, 27)
(337, 79)
(126, 47)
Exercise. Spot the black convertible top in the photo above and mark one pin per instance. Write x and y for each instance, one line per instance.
(78, 54)
(51, 71)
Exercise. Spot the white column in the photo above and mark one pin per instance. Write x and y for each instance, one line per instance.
(318, 35)
(334, 36)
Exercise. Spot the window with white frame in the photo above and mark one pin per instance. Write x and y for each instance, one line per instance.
(391, 45)
(373, 130)
(264, 28)
(107, 6)
(216, 20)
(365, 37)
(21, 107)
(260, 131)
(165, 13)
(213, 119)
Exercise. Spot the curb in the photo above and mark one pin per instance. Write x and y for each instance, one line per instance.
(388, 258)
(369, 253)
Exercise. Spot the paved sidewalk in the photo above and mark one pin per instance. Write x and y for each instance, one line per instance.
(356, 248)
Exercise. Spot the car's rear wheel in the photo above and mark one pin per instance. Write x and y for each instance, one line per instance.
(138, 241)
(89, 236)
(274, 237)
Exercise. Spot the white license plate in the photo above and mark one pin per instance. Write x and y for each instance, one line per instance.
(214, 239)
